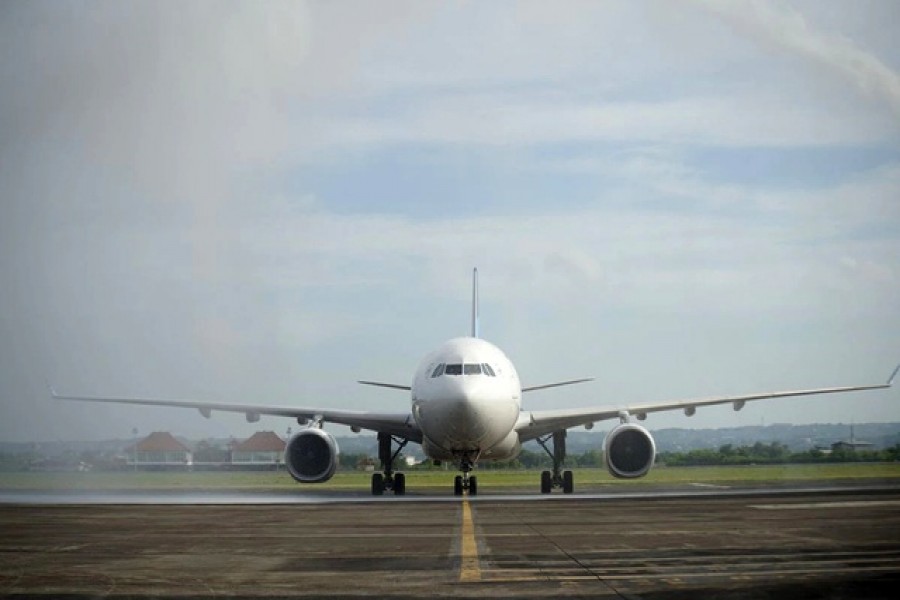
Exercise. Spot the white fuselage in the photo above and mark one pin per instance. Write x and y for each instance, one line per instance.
(466, 399)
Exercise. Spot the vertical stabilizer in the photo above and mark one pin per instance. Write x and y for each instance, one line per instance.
(475, 332)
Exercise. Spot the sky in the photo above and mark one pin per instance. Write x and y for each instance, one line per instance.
(264, 202)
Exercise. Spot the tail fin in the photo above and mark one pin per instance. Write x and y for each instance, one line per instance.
(475, 332)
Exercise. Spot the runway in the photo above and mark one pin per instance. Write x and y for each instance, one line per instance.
(309, 495)
(843, 543)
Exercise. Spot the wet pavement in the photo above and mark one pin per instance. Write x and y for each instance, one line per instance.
(812, 544)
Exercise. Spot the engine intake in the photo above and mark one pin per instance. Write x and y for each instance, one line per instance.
(311, 456)
(629, 451)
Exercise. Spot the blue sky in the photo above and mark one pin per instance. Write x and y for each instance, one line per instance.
(267, 201)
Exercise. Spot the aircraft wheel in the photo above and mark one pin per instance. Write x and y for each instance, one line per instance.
(473, 486)
(568, 482)
(377, 484)
(546, 482)
(457, 486)
(399, 484)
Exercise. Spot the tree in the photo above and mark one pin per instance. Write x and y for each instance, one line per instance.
(893, 453)
(207, 452)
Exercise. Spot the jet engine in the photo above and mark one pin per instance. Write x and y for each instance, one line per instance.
(629, 451)
(311, 456)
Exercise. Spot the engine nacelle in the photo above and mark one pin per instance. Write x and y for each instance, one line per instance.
(311, 456)
(629, 451)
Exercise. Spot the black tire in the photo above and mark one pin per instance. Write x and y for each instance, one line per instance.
(568, 482)
(457, 485)
(377, 484)
(473, 486)
(546, 482)
(399, 484)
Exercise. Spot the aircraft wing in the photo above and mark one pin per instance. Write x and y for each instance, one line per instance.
(398, 424)
(532, 388)
(533, 424)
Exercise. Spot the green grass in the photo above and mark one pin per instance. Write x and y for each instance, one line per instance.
(280, 480)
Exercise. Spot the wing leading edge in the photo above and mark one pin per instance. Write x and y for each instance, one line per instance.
(398, 424)
(533, 424)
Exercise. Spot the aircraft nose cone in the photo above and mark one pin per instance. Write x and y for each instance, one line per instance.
(465, 396)
(465, 392)
(464, 411)
(466, 414)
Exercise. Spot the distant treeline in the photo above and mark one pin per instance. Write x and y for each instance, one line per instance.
(757, 454)
(774, 453)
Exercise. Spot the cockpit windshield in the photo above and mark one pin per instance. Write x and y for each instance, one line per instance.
(463, 369)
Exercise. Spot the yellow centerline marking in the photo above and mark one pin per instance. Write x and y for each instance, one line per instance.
(469, 569)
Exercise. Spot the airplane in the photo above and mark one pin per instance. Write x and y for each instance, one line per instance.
(466, 407)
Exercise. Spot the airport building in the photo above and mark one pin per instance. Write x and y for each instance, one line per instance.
(159, 450)
(851, 445)
(262, 449)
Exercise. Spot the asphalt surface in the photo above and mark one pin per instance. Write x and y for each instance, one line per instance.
(842, 543)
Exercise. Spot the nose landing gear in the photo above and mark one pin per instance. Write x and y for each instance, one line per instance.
(465, 482)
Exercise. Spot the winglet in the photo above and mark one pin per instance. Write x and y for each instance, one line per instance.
(475, 332)
(890, 380)
(50, 388)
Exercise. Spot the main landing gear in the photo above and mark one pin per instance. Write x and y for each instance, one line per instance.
(387, 479)
(465, 482)
(556, 479)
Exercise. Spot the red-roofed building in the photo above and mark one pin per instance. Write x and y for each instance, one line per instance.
(262, 448)
(159, 450)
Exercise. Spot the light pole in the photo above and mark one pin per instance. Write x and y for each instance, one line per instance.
(287, 437)
(134, 433)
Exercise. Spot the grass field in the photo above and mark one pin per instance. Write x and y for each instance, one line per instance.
(280, 480)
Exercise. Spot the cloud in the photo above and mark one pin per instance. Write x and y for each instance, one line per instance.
(588, 80)
(736, 241)
(740, 120)
(778, 26)
(208, 199)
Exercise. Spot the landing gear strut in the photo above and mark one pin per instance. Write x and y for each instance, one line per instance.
(387, 479)
(465, 482)
(556, 478)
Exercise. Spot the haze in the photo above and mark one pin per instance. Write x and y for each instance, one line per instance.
(268, 201)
